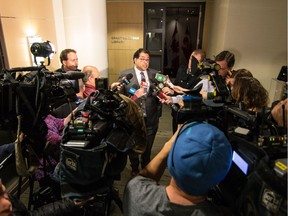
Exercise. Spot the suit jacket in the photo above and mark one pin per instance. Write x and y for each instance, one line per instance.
(153, 106)
(187, 80)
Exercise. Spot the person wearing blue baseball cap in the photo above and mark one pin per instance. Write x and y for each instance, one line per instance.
(198, 157)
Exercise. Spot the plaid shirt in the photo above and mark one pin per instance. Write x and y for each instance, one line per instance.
(55, 128)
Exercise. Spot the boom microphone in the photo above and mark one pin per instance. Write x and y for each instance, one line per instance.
(125, 80)
(71, 75)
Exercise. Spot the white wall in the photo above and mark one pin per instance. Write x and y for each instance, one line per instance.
(82, 25)
(256, 31)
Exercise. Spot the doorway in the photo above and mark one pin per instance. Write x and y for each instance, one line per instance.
(172, 31)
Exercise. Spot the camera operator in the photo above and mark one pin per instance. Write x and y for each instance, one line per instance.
(69, 61)
(187, 77)
(224, 59)
(198, 158)
(235, 74)
(250, 92)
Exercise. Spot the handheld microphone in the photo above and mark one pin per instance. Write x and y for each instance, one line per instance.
(132, 90)
(164, 79)
(71, 75)
(160, 77)
(158, 93)
(125, 80)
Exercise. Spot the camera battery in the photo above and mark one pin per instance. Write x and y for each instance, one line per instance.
(280, 167)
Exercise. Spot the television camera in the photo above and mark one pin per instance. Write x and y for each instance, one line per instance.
(32, 96)
(257, 181)
(103, 128)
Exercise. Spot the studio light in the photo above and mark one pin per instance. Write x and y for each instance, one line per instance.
(45, 50)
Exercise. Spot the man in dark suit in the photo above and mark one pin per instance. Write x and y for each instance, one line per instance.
(142, 80)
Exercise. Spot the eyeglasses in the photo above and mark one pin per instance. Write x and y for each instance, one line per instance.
(142, 59)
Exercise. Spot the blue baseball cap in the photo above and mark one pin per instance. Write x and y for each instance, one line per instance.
(200, 158)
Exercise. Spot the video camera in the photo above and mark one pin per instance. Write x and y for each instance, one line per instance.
(32, 96)
(103, 128)
(257, 181)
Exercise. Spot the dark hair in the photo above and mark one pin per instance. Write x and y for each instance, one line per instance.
(250, 91)
(64, 54)
(241, 73)
(227, 56)
(140, 50)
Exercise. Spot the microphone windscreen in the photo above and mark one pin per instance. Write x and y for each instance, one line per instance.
(129, 76)
(73, 75)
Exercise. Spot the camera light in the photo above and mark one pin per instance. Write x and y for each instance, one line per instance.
(45, 49)
(42, 50)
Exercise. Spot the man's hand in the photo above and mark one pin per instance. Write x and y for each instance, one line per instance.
(157, 165)
(167, 100)
(180, 90)
(204, 94)
(116, 85)
(167, 91)
(83, 202)
(277, 112)
(140, 92)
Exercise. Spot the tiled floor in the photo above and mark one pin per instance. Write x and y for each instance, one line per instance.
(163, 134)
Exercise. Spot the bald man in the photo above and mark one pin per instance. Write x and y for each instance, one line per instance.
(91, 74)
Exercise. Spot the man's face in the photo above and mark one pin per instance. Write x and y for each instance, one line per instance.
(142, 63)
(230, 81)
(225, 70)
(71, 64)
(92, 78)
(5, 204)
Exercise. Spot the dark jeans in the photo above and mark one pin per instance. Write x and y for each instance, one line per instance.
(5, 150)
(145, 157)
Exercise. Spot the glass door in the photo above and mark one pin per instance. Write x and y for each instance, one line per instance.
(154, 35)
(172, 32)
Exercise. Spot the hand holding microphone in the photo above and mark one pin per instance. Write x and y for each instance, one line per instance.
(167, 91)
(167, 82)
(124, 81)
(163, 98)
(141, 92)
(136, 93)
